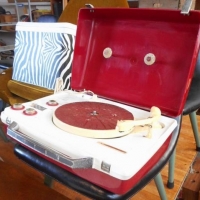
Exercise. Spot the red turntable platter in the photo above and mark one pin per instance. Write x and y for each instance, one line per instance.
(90, 119)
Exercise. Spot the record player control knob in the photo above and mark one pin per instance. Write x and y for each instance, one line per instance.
(107, 52)
(52, 102)
(18, 106)
(30, 111)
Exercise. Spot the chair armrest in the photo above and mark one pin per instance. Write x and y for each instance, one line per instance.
(28, 91)
(5, 93)
(5, 76)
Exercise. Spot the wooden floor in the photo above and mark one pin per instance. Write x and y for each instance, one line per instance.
(19, 181)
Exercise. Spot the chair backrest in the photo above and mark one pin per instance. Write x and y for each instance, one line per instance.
(197, 68)
(70, 13)
(43, 52)
(48, 18)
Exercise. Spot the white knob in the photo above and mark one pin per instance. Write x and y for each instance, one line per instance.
(107, 52)
(149, 59)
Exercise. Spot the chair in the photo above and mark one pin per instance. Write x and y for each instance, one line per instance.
(12, 91)
(193, 103)
(6, 95)
(191, 106)
(70, 14)
(90, 190)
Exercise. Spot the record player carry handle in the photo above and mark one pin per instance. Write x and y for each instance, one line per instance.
(80, 163)
(126, 125)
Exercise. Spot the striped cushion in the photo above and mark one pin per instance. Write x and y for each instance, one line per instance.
(43, 52)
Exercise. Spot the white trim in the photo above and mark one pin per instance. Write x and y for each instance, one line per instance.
(61, 27)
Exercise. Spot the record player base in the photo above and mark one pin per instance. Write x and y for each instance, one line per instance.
(76, 183)
(87, 188)
(109, 182)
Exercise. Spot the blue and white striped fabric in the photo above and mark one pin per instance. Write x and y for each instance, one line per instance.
(43, 52)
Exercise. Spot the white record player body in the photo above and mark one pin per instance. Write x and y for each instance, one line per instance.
(116, 159)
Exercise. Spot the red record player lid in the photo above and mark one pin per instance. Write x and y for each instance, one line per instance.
(140, 57)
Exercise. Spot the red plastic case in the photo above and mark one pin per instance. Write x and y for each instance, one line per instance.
(151, 56)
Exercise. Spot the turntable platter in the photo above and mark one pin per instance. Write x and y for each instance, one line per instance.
(83, 117)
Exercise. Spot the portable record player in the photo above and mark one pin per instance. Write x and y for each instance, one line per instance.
(131, 73)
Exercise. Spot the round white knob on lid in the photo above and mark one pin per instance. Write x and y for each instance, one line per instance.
(149, 59)
(107, 52)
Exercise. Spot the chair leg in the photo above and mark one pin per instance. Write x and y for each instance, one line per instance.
(3, 135)
(170, 183)
(48, 180)
(194, 124)
(160, 186)
(3, 105)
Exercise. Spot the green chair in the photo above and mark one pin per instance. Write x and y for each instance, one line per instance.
(191, 106)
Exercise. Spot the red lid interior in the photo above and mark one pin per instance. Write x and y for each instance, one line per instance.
(165, 39)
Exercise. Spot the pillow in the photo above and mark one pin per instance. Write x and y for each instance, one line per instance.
(43, 52)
